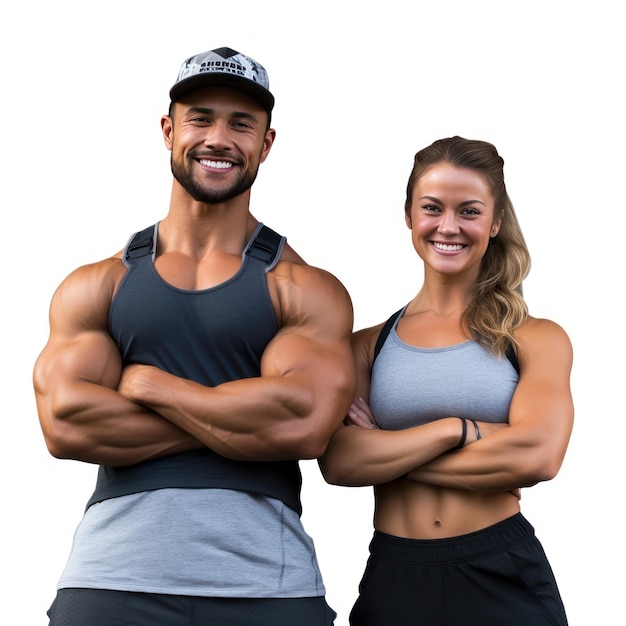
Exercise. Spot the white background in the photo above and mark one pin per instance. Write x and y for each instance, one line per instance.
(360, 87)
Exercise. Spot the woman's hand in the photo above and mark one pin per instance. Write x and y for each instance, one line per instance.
(359, 414)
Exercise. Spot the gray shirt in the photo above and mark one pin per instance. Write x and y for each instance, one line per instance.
(202, 542)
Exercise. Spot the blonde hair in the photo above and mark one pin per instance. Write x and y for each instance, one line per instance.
(497, 305)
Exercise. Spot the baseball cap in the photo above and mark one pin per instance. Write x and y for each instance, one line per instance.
(226, 67)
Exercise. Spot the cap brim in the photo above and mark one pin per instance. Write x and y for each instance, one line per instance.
(259, 93)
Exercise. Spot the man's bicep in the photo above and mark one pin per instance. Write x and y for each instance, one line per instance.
(317, 327)
(90, 357)
(80, 344)
(79, 350)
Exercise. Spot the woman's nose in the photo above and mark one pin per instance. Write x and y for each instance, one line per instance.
(448, 223)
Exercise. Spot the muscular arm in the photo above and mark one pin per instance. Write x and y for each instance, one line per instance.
(82, 416)
(307, 380)
(358, 455)
(541, 420)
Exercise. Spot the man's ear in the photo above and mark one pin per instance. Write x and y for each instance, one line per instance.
(268, 142)
(167, 128)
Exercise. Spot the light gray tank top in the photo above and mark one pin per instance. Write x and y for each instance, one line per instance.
(412, 386)
(199, 542)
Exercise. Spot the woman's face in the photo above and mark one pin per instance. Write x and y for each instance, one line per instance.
(452, 219)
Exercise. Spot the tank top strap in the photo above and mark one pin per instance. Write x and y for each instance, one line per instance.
(265, 245)
(140, 244)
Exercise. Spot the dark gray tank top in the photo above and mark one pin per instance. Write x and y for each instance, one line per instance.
(210, 336)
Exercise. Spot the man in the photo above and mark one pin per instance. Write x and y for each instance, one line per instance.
(196, 367)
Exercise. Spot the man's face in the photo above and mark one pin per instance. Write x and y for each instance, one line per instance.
(218, 137)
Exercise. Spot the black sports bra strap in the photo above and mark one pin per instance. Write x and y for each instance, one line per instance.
(511, 356)
(383, 334)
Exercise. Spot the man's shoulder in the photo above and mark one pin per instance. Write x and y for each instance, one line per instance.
(300, 272)
(96, 275)
(290, 255)
(306, 288)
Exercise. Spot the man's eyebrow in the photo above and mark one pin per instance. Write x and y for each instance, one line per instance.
(195, 110)
(245, 115)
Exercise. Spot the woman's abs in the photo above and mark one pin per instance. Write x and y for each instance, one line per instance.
(405, 508)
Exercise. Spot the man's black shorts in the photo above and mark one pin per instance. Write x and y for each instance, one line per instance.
(100, 607)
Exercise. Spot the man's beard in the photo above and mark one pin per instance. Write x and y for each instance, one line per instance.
(203, 193)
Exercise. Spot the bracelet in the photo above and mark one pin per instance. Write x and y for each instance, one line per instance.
(463, 434)
(478, 435)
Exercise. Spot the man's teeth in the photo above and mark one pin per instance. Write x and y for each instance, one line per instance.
(220, 165)
(448, 247)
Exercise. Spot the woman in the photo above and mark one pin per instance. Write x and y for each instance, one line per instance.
(467, 401)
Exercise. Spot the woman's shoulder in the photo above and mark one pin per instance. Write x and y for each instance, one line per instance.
(365, 338)
(542, 336)
(538, 327)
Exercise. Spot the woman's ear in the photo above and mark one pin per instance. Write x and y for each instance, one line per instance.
(495, 227)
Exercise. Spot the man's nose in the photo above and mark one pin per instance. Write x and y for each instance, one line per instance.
(217, 136)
